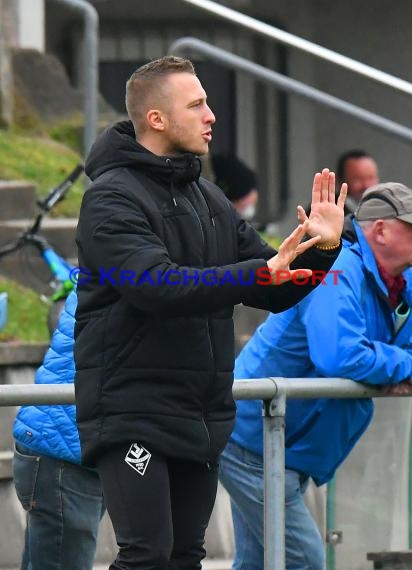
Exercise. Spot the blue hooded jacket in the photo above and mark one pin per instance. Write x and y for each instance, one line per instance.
(343, 330)
(51, 430)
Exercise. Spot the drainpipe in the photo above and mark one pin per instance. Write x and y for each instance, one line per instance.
(90, 68)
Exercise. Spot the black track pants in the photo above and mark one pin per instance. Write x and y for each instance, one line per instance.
(160, 508)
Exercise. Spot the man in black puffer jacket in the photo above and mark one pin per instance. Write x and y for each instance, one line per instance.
(166, 258)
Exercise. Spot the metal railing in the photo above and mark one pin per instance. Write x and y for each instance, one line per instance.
(90, 67)
(228, 59)
(292, 40)
(273, 392)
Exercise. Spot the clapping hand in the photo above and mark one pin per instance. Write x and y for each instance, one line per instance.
(324, 225)
(326, 214)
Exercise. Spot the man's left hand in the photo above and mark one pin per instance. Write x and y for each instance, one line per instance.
(404, 387)
(326, 215)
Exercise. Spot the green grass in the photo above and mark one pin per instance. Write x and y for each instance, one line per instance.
(68, 133)
(44, 162)
(27, 314)
(273, 241)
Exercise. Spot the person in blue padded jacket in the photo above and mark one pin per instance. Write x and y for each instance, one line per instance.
(358, 326)
(63, 500)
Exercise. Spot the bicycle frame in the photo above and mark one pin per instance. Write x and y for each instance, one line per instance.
(59, 268)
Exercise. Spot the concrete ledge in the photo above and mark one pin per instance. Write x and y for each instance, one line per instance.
(60, 232)
(17, 199)
(399, 560)
(15, 353)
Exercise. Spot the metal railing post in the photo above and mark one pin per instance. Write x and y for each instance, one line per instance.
(274, 482)
(330, 524)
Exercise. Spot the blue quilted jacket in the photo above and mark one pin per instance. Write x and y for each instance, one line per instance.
(51, 430)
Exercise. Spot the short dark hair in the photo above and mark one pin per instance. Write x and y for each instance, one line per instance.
(143, 85)
(343, 159)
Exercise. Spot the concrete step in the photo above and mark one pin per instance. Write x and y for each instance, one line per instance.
(60, 232)
(17, 199)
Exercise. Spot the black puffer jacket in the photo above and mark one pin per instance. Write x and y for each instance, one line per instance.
(154, 346)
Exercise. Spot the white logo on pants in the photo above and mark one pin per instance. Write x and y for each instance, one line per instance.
(138, 458)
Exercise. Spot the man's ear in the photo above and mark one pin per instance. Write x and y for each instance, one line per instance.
(379, 231)
(156, 119)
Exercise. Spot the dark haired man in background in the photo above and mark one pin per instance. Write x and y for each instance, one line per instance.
(359, 170)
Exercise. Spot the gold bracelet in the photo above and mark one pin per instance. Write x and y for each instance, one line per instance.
(328, 247)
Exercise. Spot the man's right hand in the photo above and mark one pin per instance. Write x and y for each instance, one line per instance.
(290, 248)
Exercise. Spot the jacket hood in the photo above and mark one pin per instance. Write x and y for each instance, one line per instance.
(117, 147)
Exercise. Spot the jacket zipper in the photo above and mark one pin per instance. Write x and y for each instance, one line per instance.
(204, 259)
(199, 222)
(208, 460)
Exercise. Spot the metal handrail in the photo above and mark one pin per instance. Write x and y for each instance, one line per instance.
(256, 389)
(90, 67)
(224, 57)
(273, 392)
(302, 44)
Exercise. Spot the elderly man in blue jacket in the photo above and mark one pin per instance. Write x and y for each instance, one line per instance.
(358, 326)
(63, 500)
